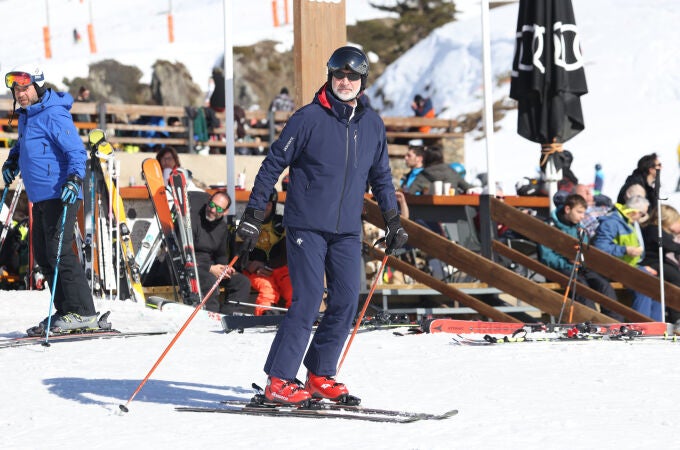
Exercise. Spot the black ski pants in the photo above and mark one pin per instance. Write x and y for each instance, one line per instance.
(72, 293)
(237, 289)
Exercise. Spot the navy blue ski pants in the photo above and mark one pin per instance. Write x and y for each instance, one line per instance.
(310, 255)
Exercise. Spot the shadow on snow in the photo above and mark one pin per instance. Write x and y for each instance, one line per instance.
(87, 391)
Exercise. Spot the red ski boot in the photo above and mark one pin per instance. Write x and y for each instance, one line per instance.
(285, 392)
(325, 387)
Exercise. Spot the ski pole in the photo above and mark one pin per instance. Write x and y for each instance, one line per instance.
(56, 274)
(4, 195)
(255, 305)
(363, 310)
(124, 407)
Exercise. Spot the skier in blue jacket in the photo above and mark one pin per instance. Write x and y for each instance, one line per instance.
(51, 158)
(333, 147)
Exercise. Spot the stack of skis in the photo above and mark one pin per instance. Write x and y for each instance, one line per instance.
(110, 261)
(103, 237)
(106, 250)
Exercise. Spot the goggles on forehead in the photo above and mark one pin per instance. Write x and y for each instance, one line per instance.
(22, 79)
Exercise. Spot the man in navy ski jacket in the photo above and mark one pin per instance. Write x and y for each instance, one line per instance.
(332, 147)
(51, 158)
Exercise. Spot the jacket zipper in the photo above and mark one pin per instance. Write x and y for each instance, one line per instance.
(344, 181)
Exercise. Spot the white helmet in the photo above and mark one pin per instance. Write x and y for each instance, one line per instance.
(34, 70)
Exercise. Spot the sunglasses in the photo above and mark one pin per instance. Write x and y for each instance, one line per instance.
(351, 76)
(219, 209)
(21, 79)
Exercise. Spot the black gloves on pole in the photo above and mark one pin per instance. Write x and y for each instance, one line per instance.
(395, 236)
(247, 233)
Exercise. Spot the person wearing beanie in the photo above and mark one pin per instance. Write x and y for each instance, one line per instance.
(51, 159)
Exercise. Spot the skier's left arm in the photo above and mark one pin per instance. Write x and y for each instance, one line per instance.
(65, 135)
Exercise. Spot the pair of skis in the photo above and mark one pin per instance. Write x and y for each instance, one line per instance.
(259, 406)
(176, 232)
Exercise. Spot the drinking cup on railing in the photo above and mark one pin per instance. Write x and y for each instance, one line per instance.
(447, 189)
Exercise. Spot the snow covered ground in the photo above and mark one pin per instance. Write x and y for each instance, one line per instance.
(607, 395)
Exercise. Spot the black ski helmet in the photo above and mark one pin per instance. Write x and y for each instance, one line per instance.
(350, 58)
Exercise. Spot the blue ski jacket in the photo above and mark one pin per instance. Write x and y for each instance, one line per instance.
(550, 257)
(615, 233)
(49, 148)
(332, 150)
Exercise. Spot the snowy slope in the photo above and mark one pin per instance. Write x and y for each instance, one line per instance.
(631, 108)
(608, 395)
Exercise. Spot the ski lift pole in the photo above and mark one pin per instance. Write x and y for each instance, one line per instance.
(124, 408)
(662, 289)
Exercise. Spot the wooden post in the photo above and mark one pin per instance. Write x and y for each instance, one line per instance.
(319, 28)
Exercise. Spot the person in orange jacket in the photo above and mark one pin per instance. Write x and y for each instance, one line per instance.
(267, 267)
(422, 107)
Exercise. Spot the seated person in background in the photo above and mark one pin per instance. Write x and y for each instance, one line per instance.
(593, 211)
(670, 248)
(567, 218)
(414, 161)
(436, 170)
(211, 244)
(267, 266)
(168, 158)
(617, 236)
(645, 176)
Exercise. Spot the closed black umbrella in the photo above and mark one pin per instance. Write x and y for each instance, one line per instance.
(548, 77)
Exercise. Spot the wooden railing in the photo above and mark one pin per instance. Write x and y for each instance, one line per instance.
(118, 120)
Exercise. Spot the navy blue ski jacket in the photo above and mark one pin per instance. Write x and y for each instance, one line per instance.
(49, 148)
(332, 150)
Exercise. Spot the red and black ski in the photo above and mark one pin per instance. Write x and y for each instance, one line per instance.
(153, 177)
(178, 187)
(456, 326)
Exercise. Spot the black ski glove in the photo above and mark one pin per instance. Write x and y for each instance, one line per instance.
(247, 233)
(10, 170)
(71, 189)
(395, 235)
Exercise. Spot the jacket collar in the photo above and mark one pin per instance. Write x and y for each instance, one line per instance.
(342, 110)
